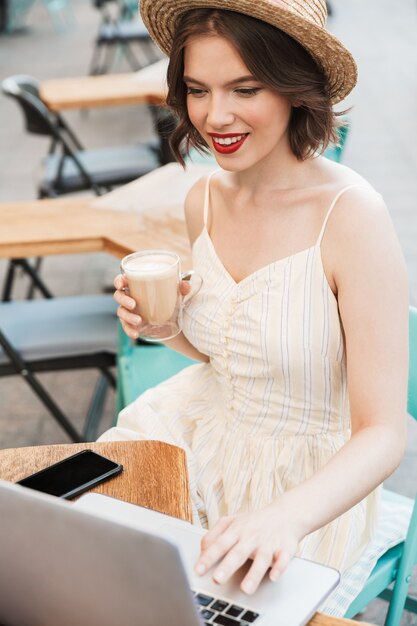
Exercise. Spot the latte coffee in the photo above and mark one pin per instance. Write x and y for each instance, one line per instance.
(153, 277)
(153, 284)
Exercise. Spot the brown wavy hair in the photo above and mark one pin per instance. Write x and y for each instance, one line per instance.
(275, 59)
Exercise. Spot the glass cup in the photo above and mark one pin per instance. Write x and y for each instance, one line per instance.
(153, 278)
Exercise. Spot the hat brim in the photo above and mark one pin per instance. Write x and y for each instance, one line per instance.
(160, 18)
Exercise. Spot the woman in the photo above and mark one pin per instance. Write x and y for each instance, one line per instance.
(297, 412)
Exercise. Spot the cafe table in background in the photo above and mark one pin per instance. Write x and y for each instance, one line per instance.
(146, 86)
(134, 217)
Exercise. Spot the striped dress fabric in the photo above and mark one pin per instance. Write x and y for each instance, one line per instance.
(270, 408)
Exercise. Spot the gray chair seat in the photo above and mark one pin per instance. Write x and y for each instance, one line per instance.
(105, 166)
(59, 327)
(61, 334)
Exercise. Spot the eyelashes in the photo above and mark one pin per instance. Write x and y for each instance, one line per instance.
(248, 91)
(193, 91)
(241, 91)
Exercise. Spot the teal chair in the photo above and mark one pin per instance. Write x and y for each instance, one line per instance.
(391, 576)
(59, 11)
(141, 366)
(335, 153)
(16, 13)
(61, 14)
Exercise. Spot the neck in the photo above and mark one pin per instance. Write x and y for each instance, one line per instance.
(280, 172)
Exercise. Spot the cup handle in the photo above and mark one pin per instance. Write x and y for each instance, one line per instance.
(191, 274)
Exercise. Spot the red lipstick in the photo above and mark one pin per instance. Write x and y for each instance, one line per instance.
(227, 148)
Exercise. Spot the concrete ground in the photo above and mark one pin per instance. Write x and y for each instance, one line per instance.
(382, 34)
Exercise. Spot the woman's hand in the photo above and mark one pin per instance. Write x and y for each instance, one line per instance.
(131, 322)
(268, 536)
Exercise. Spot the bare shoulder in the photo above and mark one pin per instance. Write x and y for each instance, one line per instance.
(194, 208)
(358, 204)
(360, 211)
(362, 232)
(359, 239)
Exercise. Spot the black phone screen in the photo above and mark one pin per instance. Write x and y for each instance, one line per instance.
(73, 475)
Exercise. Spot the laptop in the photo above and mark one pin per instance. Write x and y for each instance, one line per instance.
(102, 562)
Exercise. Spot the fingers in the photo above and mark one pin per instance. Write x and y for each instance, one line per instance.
(215, 550)
(236, 552)
(129, 320)
(120, 282)
(259, 536)
(219, 528)
(121, 295)
(238, 556)
(185, 287)
(232, 541)
(234, 559)
(281, 562)
(261, 563)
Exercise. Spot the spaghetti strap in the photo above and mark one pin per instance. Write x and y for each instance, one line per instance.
(207, 197)
(341, 192)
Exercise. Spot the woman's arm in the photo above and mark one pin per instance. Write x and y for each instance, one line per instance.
(130, 321)
(362, 257)
(371, 279)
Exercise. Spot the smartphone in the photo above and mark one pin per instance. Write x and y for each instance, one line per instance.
(73, 475)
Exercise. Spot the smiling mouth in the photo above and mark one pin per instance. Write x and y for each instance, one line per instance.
(227, 144)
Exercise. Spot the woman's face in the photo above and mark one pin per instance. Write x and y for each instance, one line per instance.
(243, 121)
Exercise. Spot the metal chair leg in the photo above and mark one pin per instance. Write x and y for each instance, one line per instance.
(37, 267)
(36, 281)
(24, 370)
(107, 58)
(131, 57)
(8, 283)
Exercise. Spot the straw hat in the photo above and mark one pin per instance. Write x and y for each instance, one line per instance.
(304, 20)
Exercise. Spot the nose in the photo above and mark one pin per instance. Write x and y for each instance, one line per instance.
(220, 112)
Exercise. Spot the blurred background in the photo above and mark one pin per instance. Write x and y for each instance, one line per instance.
(57, 39)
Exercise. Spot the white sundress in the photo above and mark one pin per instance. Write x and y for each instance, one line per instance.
(270, 408)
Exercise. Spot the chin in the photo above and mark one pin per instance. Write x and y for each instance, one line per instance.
(230, 167)
(230, 164)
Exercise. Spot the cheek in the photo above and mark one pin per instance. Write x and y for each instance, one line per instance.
(195, 113)
(271, 119)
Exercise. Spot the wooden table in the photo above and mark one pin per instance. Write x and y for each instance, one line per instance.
(146, 86)
(154, 473)
(155, 476)
(72, 226)
(128, 219)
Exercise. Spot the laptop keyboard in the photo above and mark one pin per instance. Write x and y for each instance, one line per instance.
(215, 611)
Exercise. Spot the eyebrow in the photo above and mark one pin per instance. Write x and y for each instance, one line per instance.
(235, 81)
